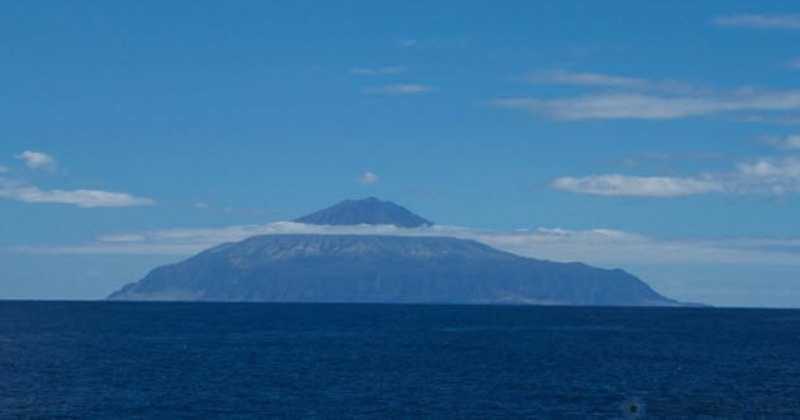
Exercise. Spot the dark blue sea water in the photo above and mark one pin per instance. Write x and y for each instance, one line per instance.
(101, 360)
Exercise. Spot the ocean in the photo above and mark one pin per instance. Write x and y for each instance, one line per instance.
(216, 360)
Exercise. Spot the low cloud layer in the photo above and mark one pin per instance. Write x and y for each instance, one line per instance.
(603, 247)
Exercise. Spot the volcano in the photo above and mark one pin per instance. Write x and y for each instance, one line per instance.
(382, 269)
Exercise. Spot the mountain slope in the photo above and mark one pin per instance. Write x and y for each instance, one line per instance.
(369, 211)
(390, 269)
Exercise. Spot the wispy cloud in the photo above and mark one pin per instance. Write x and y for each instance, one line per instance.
(636, 186)
(789, 120)
(759, 176)
(795, 64)
(604, 247)
(649, 158)
(377, 71)
(600, 80)
(407, 43)
(368, 178)
(4, 170)
(585, 79)
(654, 107)
(768, 175)
(399, 89)
(14, 190)
(759, 21)
(790, 142)
(37, 160)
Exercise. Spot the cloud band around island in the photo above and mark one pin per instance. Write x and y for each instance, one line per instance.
(602, 247)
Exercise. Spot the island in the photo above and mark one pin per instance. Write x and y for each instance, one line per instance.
(358, 268)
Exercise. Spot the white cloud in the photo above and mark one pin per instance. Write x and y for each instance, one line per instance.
(368, 178)
(655, 107)
(82, 198)
(201, 205)
(399, 89)
(771, 119)
(586, 79)
(795, 64)
(770, 176)
(759, 21)
(771, 168)
(790, 142)
(3, 169)
(600, 80)
(37, 160)
(603, 247)
(760, 176)
(377, 71)
(122, 238)
(636, 186)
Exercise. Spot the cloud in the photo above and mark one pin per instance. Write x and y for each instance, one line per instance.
(759, 176)
(201, 205)
(770, 168)
(790, 142)
(653, 107)
(600, 80)
(603, 247)
(377, 71)
(771, 119)
(399, 89)
(37, 160)
(368, 178)
(768, 175)
(759, 21)
(407, 43)
(795, 64)
(122, 238)
(586, 79)
(636, 186)
(4, 170)
(13, 190)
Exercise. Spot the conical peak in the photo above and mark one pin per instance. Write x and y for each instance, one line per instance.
(367, 211)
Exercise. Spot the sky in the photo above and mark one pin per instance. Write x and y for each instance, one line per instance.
(662, 138)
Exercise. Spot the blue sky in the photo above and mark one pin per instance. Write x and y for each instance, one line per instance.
(589, 129)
